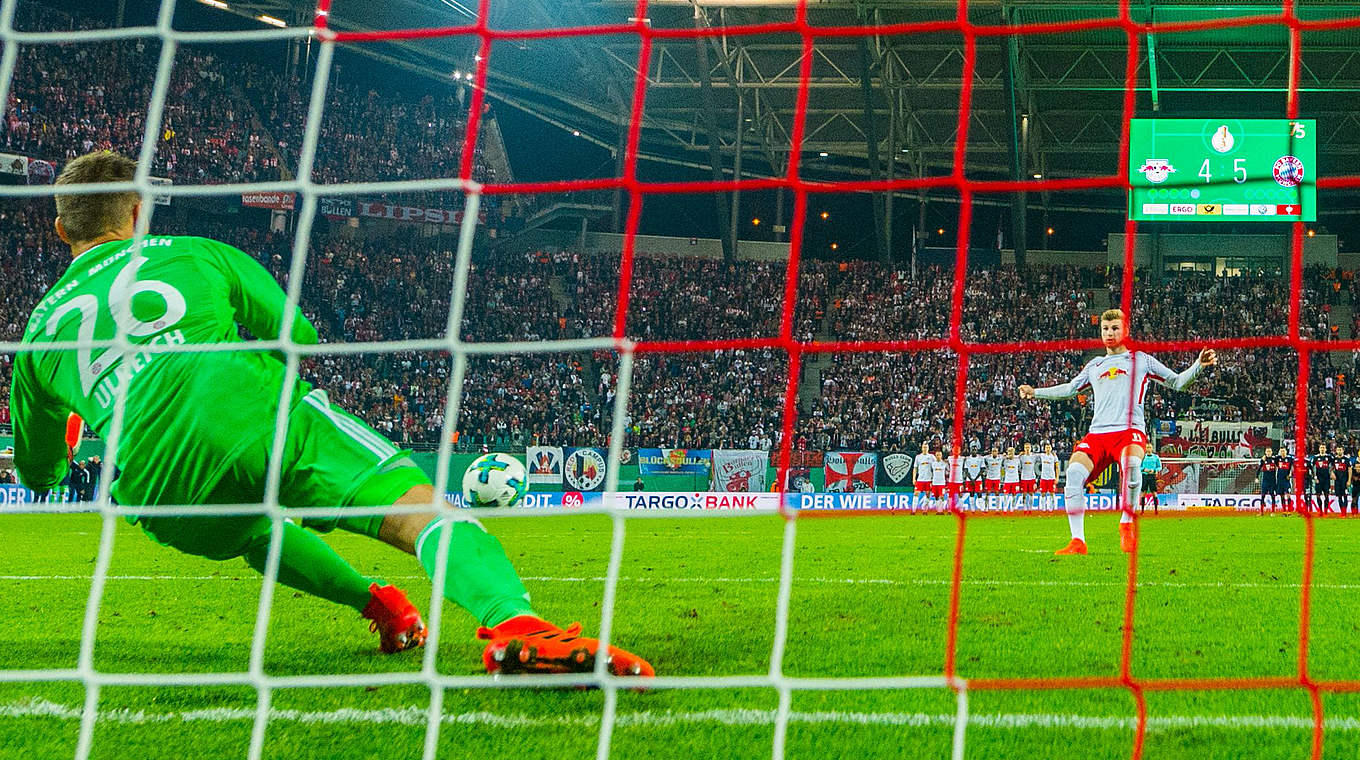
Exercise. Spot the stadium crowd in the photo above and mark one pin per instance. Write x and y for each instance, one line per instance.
(229, 119)
(373, 283)
(357, 289)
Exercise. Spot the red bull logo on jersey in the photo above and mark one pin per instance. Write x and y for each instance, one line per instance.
(1113, 372)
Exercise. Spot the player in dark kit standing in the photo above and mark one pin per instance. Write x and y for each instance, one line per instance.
(1341, 476)
(1355, 485)
(1284, 479)
(1267, 471)
(1322, 478)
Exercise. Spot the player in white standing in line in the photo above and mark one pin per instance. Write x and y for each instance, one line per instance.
(955, 479)
(972, 470)
(992, 482)
(1028, 475)
(1048, 478)
(938, 470)
(1010, 479)
(921, 477)
(1118, 381)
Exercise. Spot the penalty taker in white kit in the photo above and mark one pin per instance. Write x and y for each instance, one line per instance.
(1118, 432)
(198, 428)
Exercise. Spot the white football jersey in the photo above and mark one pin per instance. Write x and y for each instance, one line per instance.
(1027, 462)
(1011, 468)
(993, 467)
(955, 469)
(923, 467)
(1048, 467)
(974, 465)
(937, 472)
(1118, 383)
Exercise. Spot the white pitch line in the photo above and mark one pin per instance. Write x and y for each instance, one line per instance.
(414, 715)
(1283, 586)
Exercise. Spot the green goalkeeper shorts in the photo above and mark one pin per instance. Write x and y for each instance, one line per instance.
(330, 459)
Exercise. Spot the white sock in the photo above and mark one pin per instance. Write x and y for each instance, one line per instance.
(1074, 491)
(1132, 473)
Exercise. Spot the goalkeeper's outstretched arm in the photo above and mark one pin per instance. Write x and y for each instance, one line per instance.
(40, 453)
(257, 298)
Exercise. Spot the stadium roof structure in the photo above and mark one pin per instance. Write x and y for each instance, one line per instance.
(1045, 104)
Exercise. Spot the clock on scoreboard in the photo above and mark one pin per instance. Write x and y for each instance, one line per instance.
(1223, 170)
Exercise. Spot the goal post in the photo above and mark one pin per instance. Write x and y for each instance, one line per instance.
(1212, 475)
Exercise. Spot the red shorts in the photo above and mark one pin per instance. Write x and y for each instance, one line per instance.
(922, 486)
(956, 488)
(1104, 449)
(1027, 486)
(937, 491)
(1048, 486)
(993, 486)
(1010, 488)
(973, 486)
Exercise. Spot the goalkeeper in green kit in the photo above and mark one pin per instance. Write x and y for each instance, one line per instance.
(198, 428)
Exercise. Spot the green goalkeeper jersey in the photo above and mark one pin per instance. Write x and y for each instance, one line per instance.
(188, 415)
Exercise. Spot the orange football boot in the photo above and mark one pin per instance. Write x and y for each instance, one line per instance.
(1127, 540)
(1076, 546)
(527, 644)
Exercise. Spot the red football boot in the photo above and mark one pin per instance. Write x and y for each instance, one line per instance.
(395, 619)
(526, 644)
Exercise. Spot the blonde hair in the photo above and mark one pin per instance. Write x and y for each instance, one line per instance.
(86, 216)
(1110, 315)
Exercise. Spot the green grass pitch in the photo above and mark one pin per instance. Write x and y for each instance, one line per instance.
(1218, 597)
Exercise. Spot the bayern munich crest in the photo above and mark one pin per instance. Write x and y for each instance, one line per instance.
(1288, 171)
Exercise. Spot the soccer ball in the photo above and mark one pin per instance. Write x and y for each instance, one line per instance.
(494, 480)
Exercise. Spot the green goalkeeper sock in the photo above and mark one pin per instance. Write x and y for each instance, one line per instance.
(309, 564)
(479, 576)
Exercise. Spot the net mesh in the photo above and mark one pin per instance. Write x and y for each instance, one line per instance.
(636, 190)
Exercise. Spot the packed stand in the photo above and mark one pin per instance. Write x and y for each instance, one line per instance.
(226, 119)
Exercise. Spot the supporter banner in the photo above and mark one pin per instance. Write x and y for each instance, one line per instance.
(336, 208)
(801, 458)
(160, 200)
(413, 213)
(12, 164)
(894, 469)
(41, 172)
(276, 201)
(799, 480)
(849, 471)
(1178, 477)
(674, 461)
(584, 468)
(739, 470)
(1209, 439)
(544, 464)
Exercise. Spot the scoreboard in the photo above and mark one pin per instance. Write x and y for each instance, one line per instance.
(1223, 170)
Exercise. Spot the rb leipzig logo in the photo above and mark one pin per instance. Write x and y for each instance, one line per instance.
(1157, 170)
